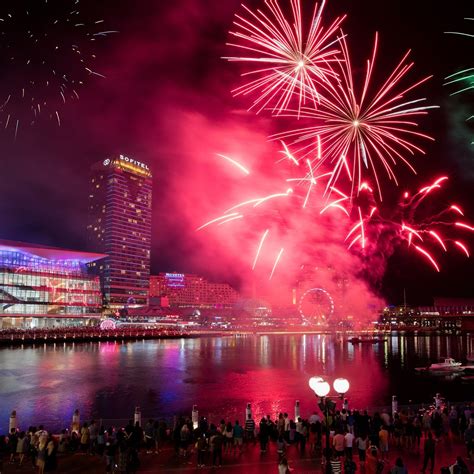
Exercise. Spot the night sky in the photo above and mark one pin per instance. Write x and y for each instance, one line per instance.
(167, 93)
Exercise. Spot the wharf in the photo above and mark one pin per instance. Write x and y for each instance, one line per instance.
(58, 337)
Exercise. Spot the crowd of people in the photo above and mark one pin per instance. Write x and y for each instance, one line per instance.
(356, 441)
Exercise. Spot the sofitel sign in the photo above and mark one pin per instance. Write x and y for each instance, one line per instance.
(126, 159)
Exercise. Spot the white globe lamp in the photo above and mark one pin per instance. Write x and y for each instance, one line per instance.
(341, 385)
(313, 381)
(322, 389)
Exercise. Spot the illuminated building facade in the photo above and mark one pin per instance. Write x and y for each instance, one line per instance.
(41, 285)
(186, 290)
(120, 226)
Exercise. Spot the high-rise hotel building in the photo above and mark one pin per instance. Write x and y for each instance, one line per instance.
(120, 202)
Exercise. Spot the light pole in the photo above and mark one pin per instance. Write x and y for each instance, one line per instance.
(321, 389)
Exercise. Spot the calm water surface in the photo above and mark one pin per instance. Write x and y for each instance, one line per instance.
(219, 374)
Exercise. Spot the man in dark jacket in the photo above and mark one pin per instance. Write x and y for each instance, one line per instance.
(429, 452)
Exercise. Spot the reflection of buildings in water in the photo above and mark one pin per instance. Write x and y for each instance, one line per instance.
(264, 351)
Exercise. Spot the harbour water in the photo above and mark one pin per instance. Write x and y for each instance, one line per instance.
(219, 374)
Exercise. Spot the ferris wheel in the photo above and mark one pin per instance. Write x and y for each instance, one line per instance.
(316, 306)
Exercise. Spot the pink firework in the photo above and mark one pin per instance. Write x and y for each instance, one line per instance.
(284, 55)
(275, 219)
(363, 132)
(426, 235)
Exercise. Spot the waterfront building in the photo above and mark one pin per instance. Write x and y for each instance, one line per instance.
(193, 291)
(120, 206)
(44, 286)
(444, 315)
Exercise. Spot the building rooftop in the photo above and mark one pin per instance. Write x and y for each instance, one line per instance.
(50, 253)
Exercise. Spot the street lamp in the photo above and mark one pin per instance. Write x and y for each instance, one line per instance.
(321, 389)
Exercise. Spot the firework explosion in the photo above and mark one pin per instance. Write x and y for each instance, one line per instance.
(463, 80)
(361, 133)
(411, 223)
(284, 55)
(47, 55)
(310, 209)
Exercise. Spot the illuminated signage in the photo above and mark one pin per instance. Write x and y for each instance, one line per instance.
(133, 162)
(174, 280)
(126, 162)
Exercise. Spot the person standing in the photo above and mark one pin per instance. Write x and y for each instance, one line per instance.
(361, 443)
(12, 444)
(22, 446)
(50, 464)
(383, 441)
(263, 435)
(216, 447)
(429, 452)
(283, 467)
(338, 444)
(93, 430)
(85, 438)
(303, 438)
(228, 437)
(348, 443)
(250, 428)
(238, 434)
(201, 448)
(469, 440)
(399, 467)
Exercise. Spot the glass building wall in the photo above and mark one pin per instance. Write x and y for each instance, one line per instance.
(35, 285)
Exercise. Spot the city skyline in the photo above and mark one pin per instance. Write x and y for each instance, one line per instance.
(189, 97)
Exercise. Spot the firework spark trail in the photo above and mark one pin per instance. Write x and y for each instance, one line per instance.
(287, 153)
(46, 55)
(240, 216)
(404, 225)
(260, 245)
(462, 247)
(217, 219)
(439, 239)
(273, 196)
(364, 131)
(457, 209)
(465, 76)
(284, 55)
(234, 162)
(464, 226)
(428, 256)
(276, 263)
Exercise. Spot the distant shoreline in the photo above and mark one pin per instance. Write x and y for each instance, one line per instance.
(28, 338)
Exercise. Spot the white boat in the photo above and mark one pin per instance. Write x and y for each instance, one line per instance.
(448, 364)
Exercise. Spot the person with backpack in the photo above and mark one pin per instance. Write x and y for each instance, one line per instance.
(350, 467)
(399, 467)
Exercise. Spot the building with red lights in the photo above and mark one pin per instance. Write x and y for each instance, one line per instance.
(187, 290)
(120, 203)
(44, 286)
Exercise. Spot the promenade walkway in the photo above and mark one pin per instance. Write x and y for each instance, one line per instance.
(250, 461)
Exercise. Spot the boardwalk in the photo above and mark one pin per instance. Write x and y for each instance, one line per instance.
(251, 461)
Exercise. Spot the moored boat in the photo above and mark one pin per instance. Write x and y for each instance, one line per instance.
(448, 365)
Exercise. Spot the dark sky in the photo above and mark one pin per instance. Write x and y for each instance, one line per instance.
(165, 65)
